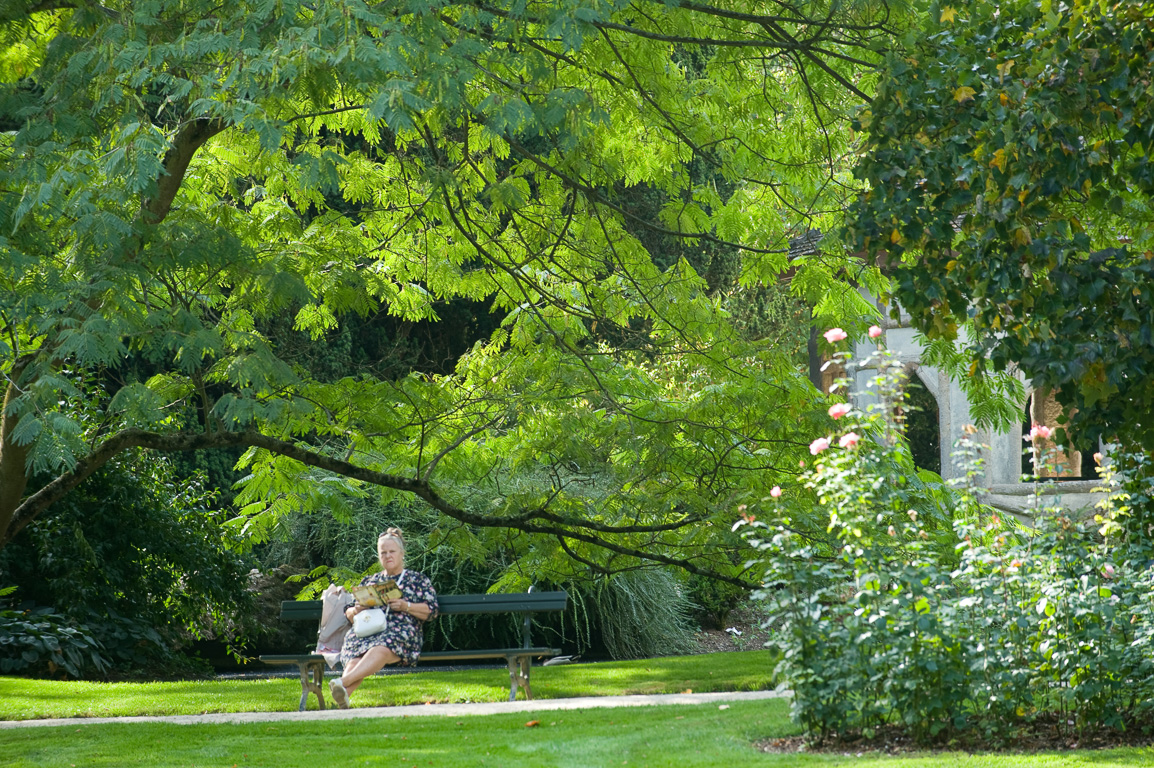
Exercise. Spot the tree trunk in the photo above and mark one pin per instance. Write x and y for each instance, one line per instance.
(13, 458)
(14, 514)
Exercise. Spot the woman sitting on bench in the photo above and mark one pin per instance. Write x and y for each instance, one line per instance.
(400, 641)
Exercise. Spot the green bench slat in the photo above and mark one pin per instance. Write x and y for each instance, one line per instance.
(492, 653)
(533, 602)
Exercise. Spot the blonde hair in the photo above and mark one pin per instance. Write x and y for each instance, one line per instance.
(394, 534)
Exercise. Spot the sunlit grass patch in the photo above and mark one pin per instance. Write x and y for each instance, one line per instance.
(23, 699)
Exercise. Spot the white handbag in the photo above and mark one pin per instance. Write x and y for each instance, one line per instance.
(370, 622)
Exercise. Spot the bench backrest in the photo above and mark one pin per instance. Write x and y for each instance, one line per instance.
(525, 603)
(516, 602)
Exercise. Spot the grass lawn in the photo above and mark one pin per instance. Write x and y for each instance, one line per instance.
(22, 699)
(681, 737)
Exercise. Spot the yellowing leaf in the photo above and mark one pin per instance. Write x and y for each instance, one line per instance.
(1005, 67)
(999, 160)
(949, 13)
(951, 264)
(1023, 195)
(895, 236)
(1022, 236)
(1004, 99)
(965, 93)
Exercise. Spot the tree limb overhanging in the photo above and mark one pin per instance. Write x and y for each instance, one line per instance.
(586, 188)
(190, 138)
(529, 521)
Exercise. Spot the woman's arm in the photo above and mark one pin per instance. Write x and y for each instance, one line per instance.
(419, 611)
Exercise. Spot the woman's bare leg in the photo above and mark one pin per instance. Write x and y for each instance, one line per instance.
(375, 659)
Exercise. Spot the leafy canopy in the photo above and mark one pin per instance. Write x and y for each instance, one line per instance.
(179, 176)
(1008, 161)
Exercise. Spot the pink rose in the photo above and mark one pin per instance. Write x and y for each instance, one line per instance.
(775, 492)
(1039, 431)
(819, 445)
(837, 410)
(893, 531)
(1015, 563)
(834, 335)
(1108, 570)
(1098, 458)
(875, 331)
(849, 440)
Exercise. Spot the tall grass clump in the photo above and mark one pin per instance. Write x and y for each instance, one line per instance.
(1043, 623)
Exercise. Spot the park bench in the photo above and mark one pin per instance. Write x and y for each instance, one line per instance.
(312, 665)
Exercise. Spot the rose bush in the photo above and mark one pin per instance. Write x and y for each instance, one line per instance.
(1013, 625)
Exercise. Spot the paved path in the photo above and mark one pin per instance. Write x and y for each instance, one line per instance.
(454, 710)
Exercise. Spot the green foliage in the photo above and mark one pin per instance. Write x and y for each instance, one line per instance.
(713, 601)
(1127, 524)
(1020, 628)
(1008, 160)
(42, 643)
(512, 237)
(136, 560)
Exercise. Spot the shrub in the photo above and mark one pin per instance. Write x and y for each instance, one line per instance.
(138, 560)
(713, 600)
(40, 642)
(1023, 626)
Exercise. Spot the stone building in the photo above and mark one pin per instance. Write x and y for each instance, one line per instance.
(1004, 466)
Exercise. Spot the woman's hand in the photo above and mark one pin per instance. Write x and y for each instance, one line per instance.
(419, 611)
(352, 611)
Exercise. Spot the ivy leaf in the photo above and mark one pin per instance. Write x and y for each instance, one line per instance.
(965, 93)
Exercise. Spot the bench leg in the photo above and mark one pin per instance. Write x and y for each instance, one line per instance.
(318, 683)
(519, 675)
(316, 670)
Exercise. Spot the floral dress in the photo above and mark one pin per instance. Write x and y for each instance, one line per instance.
(403, 635)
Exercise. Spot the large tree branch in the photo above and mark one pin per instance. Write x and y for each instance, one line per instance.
(191, 137)
(794, 18)
(535, 521)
